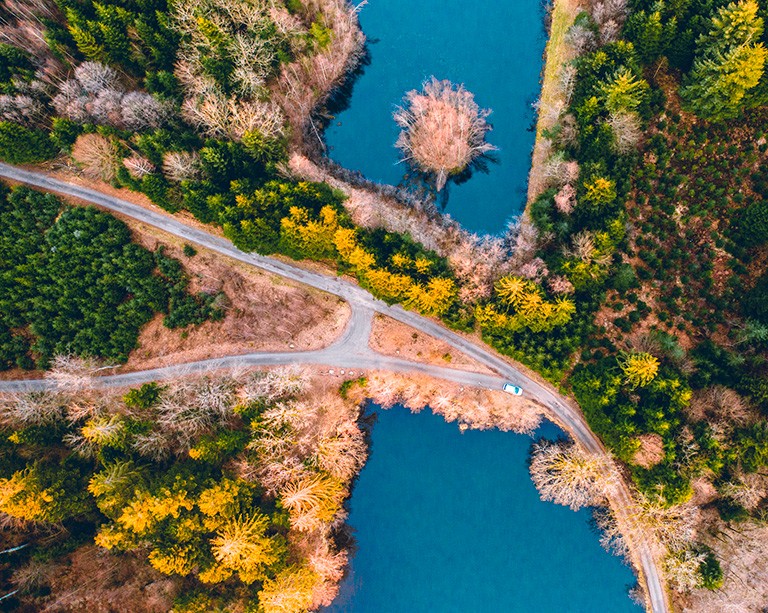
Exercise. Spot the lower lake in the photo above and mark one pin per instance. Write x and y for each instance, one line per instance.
(448, 522)
(494, 48)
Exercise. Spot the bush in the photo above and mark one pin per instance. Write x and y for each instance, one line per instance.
(711, 572)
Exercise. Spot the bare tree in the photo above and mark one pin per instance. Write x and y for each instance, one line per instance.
(30, 409)
(560, 285)
(72, 374)
(535, 270)
(138, 166)
(182, 166)
(443, 129)
(97, 155)
(106, 108)
(141, 110)
(609, 16)
(95, 77)
(682, 569)
(673, 526)
(626, 131)
(23, 109)
(748, 490)
(218, 115)
(567, 474)
(565, 199)
(581, 38)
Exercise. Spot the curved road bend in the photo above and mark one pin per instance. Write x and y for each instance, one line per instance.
(562, 410)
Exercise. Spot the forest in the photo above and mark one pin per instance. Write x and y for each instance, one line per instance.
(642, 291)
(655, 211)
(229, 488)
(72, 282)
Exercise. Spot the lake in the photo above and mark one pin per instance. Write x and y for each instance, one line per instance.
(494, 48)
(448, 522)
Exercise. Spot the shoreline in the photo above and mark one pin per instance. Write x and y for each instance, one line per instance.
(411, 216)
(556, 54)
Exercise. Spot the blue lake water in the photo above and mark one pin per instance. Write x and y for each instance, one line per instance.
(494, 48)
(451, 523)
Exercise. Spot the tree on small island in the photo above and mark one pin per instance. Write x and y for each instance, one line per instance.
(443, 129)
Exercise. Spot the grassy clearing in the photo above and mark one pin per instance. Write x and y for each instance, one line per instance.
(557, 53)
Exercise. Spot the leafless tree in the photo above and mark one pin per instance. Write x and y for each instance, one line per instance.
(555, 170)
(275, 384)
(611, 537)
(626, 131)
(536, 269)
(560, 285)
(72, 374)
(182, 166)
(96, 94)
(565, 199)
(748, 490)
(23, 109)
(682, 569)
(97, 155)
(675, 526)
(443, 129)
(138, 166)
(154, 445)
(583, 248)
(609, 16)
(723, 408)
(141, 110)
(567, 474)
(218, 115)
(581, 38)
(106, 108)
(95, 77)
(30, 409)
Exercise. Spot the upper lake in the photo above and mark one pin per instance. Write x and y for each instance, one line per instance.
(447, 522)
(494, 48)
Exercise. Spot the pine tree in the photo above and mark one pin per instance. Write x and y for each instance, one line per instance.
(624, 91)
(730, 63)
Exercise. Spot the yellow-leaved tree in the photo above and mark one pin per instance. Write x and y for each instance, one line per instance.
(434, 299)
(312, 500)
(525, 306)
(241, 545)
(639, 368)
(290, 592)
(307, 237)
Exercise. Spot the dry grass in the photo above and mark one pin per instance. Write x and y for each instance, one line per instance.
(554, 92)
(390, 337)
(265, 312)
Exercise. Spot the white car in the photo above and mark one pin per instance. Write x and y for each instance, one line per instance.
(513, 389)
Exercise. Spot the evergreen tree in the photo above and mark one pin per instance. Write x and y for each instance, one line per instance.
(729, 64)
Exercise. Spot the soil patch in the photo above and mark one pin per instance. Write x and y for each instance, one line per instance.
(390, 337)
